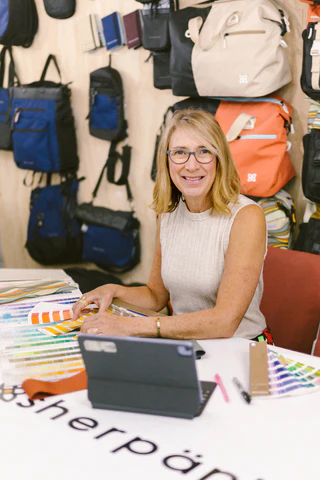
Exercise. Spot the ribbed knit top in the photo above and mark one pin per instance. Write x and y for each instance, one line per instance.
(193, 247)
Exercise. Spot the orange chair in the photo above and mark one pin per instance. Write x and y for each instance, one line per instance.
(291, 298)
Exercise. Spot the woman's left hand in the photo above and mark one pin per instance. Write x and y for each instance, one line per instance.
(108, 324)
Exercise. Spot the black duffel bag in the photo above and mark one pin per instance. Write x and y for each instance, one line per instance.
(111, 238)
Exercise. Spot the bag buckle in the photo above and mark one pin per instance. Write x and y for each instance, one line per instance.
(250, 124)
(315, 49)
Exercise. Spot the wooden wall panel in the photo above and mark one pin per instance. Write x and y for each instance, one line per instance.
(145, 107)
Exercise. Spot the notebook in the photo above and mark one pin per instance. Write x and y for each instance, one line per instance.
(144, 375)
(113, 30)
(90, 33)
(133, 28)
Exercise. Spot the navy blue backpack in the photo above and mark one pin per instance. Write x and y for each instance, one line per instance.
(43, 130)
(5, 103)
(54, 235)
(106, 106)
(18, 22)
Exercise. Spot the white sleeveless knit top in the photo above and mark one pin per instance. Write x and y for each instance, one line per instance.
(193, 247)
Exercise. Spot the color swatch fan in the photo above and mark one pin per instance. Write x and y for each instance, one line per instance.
(272, 374)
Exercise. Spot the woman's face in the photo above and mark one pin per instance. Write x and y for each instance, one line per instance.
(193, 179)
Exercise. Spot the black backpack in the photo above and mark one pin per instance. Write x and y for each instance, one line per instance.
(18, 22)
(311, 166)
(155, 35)
(310, 76)
(60, 9)
(106, 109)
(309, 236)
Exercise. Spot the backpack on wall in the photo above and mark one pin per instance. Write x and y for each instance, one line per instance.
(311, 166)
(60, 9)
(310, 76)
(256, 129)
(106, 104)
(309, 236)
(240, 41)
(5, 126)
(54, 234)
(18, 22)
(280, 213)
(43, 130)
(155, 34)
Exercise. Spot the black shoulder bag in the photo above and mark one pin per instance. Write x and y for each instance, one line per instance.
(111, 238)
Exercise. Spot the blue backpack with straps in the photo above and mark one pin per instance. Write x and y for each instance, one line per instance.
(42, 123)
(54, 235)
(5, 102)
(106, 105)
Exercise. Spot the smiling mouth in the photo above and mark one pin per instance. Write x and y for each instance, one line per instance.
(193, 179)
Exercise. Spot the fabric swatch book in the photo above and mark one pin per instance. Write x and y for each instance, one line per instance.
(133, 28)
(114, 32)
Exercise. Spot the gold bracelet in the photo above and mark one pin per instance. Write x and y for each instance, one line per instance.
(158, 328)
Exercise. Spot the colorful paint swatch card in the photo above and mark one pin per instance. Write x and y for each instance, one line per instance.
(275, 375)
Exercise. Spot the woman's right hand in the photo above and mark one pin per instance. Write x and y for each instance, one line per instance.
(101, 296)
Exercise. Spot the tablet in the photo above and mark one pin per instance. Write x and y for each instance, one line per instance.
(144, 375)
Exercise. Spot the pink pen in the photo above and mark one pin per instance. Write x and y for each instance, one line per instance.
(223, 390)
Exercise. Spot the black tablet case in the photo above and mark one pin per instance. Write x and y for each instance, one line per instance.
(144, 375)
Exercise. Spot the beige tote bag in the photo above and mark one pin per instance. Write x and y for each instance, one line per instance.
(239, 50)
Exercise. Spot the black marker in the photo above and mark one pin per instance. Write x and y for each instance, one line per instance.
(245, 394)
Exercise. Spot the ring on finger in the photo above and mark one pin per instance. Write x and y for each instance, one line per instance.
(85, 303)
(95, 330)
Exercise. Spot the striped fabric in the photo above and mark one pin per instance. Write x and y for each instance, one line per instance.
(279, 211)
(314, 117)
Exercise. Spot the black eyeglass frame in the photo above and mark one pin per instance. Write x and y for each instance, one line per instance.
(189, 154)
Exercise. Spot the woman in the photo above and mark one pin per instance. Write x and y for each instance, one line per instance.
(211, 243)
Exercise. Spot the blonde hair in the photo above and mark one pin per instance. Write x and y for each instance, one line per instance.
(226, 186)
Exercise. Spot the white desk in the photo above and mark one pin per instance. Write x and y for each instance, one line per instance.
(268, 440)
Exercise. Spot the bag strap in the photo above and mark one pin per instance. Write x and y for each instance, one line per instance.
(44, 72)
(11, 72)
(315, 59)
(243, 122)
(194, 26)
(110, 168)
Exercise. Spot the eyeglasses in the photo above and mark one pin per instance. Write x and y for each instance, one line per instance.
(182, 155)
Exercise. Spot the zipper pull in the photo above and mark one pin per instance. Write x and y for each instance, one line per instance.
(40, 218)
(224, 40)
(15, 117)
